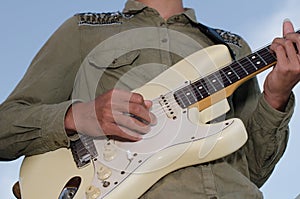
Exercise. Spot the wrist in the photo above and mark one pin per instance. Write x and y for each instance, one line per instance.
(277, 102)
(69, 122)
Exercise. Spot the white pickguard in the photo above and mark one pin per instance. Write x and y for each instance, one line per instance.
(127, 170)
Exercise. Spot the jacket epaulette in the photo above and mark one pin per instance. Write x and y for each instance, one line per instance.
(230, 38)
(107, 18)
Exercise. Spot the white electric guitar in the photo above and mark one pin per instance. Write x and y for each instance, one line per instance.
(185, 97)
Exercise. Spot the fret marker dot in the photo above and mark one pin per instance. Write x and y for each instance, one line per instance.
(258, 62)
(200, 87)
(253, 57)
(188, 93)
(229, 73)
(214, 81)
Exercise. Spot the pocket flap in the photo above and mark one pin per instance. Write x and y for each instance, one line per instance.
(125, 59)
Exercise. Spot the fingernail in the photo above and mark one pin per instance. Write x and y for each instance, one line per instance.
(286, 20)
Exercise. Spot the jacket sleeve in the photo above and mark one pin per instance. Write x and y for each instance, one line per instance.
(268, 132)
(32, 117)
(267, 129)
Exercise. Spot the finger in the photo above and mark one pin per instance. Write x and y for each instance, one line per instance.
(291, 52)
(148, 104)
(126, 96)
(281, 55)
(295, 38)
(124, 133)
(118, 96)
(287, 27)
(276, 42)
(139, 111)
(142, 113)
(130, 122)
(153, 117)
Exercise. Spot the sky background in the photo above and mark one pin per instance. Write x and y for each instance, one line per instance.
(26, 25)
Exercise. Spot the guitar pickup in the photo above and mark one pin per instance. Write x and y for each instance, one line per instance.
(167, 106)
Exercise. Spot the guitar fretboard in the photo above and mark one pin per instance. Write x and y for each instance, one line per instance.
(228, 75)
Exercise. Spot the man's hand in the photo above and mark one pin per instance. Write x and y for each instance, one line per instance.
(116, 113)
(286, 74)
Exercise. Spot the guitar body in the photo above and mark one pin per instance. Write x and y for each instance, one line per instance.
(180, 139)
(46, 175)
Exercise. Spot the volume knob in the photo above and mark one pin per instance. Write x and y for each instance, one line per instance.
(103, 172)
(109, 152)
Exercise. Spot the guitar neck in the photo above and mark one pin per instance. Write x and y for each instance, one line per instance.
(237, 72)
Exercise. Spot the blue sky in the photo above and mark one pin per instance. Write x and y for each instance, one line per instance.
(26, 25)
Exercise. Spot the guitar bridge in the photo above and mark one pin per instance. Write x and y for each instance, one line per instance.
(83, 153)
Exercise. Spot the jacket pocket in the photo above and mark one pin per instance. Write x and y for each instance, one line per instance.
(113, 62)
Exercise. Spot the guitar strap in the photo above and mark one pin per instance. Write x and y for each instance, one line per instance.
(213, 35)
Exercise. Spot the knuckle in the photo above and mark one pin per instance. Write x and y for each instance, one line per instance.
(276, 40)
(138, 97)
(104, 126)
(288, 42)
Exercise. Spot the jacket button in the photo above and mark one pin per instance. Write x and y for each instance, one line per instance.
(165, 40)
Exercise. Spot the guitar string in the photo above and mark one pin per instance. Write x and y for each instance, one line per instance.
(264, 55)
(172, 102)
(262, 58)
(241, 61)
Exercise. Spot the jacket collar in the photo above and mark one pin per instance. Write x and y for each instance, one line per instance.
(133, 7)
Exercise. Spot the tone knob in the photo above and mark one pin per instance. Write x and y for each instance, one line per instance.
(92, 192)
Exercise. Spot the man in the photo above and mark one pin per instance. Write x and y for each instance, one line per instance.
(42, 113)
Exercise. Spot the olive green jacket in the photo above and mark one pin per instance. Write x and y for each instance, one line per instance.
(132, 48)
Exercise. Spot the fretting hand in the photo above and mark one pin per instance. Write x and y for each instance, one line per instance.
(286, 74)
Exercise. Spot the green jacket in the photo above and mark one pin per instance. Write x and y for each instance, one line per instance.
(32, 117)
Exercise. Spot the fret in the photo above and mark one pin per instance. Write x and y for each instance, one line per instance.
(235, 72)
(239, 69)
(249, 60)
(216, 82)
(261, 58)
(198, 90)
(179, 99)
(248, 65)
(230, 74)
(242, 72)
(185, 98)
(257, 61)
(268, 56)
(211, 88)
(204, 86)
(190, 95)
(201, 87)
(224, 74)
(220, 80)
